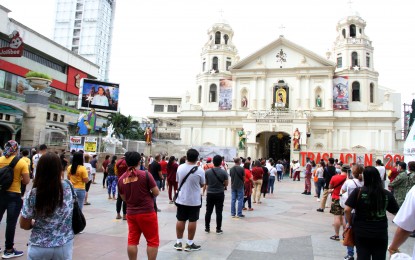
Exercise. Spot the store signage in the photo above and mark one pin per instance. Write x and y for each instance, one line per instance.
(15, 48)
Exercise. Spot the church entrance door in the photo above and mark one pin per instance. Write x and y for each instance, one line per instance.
(279, 146)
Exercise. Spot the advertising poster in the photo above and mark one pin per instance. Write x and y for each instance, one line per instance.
(225, 94)
(341, 93)
(409, 145)
(76, 143)
(210, 151)
(102, 96)
(90, 144)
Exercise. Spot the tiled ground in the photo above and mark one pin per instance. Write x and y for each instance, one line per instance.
(285, 226)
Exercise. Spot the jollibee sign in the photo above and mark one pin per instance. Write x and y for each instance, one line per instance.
(15, 48)
(348, 158)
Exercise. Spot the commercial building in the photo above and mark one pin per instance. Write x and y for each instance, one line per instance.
(30, 116)
(85, 27)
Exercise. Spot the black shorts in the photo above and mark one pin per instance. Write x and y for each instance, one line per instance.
(185, 213)
(87, 185)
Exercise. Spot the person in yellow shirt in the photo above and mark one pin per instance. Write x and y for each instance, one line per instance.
(78, 175)
(24, 157)
(11, 200)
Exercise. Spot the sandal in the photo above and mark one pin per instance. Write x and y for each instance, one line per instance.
(335, 238)
(251, 209)
(244, 209)
(87, 203)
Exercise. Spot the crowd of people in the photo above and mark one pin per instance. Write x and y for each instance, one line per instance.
(359, 196)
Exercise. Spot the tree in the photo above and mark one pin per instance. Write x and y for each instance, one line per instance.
(125, 127)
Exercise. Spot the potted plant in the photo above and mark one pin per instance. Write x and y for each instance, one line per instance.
(38, 80)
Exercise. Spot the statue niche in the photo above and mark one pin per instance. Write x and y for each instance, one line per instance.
(281, 96)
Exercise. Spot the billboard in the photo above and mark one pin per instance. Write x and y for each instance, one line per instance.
(102, 96)
(225, 94)
(341, 93)
(90, 144)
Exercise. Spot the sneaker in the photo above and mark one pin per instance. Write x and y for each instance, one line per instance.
(192, 247)
(178, 246)
(349, 257)
(318, 200)
(320, 210)
(241, 216)
(12, 254)
(219, 232)
(171, 202)
(207, 231)
(158, 210)
(233, 216)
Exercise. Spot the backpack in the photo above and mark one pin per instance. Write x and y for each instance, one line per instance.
(7, 175)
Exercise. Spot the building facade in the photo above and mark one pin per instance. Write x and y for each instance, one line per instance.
(85, 27)
(288, 102)
(33, 117)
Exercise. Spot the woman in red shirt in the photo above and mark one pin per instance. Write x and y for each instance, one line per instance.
(248, 185)
(257, 173)
(171, 176)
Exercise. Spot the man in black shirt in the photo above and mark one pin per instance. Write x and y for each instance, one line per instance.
(155, 170)
(237, 187)
(329, 172)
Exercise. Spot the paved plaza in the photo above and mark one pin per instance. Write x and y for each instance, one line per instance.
(285, 226)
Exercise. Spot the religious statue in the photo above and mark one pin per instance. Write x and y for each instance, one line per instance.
(147, 134)
(242, 139)
(296, 140)
(244, 102)
(318, 101)
(82, 128)
(92, 120)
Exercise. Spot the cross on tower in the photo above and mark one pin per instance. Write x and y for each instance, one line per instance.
(281, 29)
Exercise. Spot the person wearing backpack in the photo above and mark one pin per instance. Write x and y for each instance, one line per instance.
(13, 173)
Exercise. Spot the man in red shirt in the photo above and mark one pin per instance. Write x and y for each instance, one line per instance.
(104, 169)
(163, 165)
(122, 167)
(137, 188)
(335, 186)
(394, 172)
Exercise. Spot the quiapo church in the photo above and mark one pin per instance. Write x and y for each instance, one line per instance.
(286, 102)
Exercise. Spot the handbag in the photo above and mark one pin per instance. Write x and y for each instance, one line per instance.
(176, 195)
(348, 236)
(78, 218)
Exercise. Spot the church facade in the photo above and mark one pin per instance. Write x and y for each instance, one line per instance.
(287, 102)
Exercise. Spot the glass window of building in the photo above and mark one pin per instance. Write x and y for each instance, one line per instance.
(158, 108)
(172, 108)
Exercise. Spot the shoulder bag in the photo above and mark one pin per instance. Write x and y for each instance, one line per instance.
(78, 218)
(348, 236)
(181, 184)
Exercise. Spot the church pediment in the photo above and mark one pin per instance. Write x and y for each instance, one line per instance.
(282, 53)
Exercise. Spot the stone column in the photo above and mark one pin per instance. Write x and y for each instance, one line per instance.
(235, 102)
(306, 93)
(261, 90)
(34, 122)
(253, 90)
(329, 94)
(298, 94)
(330, 139)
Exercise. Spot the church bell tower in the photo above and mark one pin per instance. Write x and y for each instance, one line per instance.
(217, 56)
(353, 53)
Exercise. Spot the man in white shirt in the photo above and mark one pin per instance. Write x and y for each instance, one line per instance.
(35, 159)
(382, 171)
(405, 221)
(100, 99)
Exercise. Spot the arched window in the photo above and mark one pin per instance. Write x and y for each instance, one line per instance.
(212, 93)
(356, 91)
(199, 95)
(217, 38)
(352, 30)
(344, 33)
(355, 59)
(204, 66)
(226, 38)
(368, 60)
(215, 64)
(372, 92)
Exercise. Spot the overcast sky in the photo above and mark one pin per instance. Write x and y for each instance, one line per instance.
(157, 43)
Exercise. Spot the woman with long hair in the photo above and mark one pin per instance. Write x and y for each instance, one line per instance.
(248, 185)
(370, 223)
(265, 179)
(112, 178)
(47, 210)
(78, 175)
(171, 177)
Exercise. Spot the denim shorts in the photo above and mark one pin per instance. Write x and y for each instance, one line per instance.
(63, 252)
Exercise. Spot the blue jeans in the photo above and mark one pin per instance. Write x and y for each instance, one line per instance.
(320, 185)
(11, 202)
(279, 175)
(63, 252)
(112, 182)
(237, 195)
(271, 184)
(80, 194)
